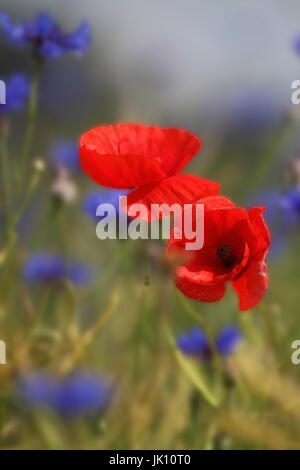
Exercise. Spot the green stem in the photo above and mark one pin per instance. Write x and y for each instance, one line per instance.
(32, 114)
(12, 237)
(270, 329)
(39, 167)
(189, 309)
(62, 230)
(191, 373)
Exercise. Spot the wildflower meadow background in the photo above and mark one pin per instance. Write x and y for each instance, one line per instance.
(102, 350)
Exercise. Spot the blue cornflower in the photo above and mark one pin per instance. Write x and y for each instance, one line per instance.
(195, 342)
(290, 203)
(95, 198)
(78, 273)
(228, 340)
(45, 267)
(83, 392)
(80, 394)
(45, 36)
(65, 153)
(17, 89)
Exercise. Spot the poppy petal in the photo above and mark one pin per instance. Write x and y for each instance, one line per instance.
(251, 286)
(116, 171)
(216, 202)
(179, 189)
(170, 149)
(260, 229)
(198, 291)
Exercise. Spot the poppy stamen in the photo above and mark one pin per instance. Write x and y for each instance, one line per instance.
(226, 255)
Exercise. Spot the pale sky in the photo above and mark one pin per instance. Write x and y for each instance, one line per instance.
(187, 53)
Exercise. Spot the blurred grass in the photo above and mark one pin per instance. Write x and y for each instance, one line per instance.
(157, 406)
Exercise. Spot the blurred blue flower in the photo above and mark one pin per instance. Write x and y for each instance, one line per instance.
(37, 389)
(83, 392)
(45, 267)
(65, 153)
(228, 340)
(282, 214)
(255, 111)
(77, 273)
(290, 203)
(45, 36)
(79, 394)
(195, 342)
(296, 44)
(17, 92)
(95, 198)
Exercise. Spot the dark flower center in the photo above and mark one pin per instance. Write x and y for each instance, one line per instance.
(226, 255)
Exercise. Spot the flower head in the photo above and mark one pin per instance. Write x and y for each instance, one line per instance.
(228, 340)
(65, 153)
(195, 343)
(45, 36)
(79, 394)
(45, 267)
(95, 198)
(16, 91)
(235, 245)
(147, 158)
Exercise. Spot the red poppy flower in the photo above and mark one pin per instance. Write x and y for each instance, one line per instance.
(235, 245)
(146, 159)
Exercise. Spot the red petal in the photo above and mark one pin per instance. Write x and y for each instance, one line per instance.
(210, 203)
(226, 225)
(216, 202)
(260, 229)
(251, 286)
(170, 149)
(198, 291)
(205, 273)
(116, 171)
(180, 189)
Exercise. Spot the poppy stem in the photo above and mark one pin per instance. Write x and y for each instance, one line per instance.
(189, 309)
(270, 326)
